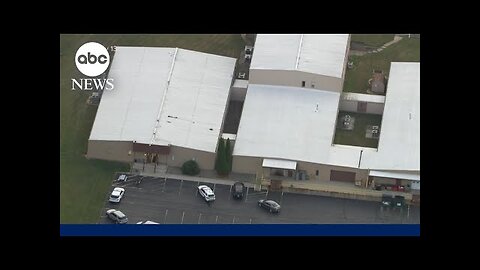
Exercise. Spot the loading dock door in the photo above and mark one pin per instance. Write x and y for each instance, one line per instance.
(342, 176)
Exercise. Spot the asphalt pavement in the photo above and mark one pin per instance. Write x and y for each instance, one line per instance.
(171, 201)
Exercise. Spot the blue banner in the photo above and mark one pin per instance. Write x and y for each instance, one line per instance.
(241, 230)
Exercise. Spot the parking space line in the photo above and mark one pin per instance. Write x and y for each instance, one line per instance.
(183, 215)
(199, 217)
(246, 196)
(408, 212)
(216, 220)
(233, 222)
(165, 219)
(250, 221)
(180, 188)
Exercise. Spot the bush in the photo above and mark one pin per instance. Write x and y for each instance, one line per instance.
(228, 155)
(190, 168)
(221, 164)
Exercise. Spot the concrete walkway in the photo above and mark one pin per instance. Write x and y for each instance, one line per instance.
(396, 39)
(338, 189)
(195, 178)
(323, 188)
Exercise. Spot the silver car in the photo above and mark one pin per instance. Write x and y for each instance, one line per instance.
(117, 216)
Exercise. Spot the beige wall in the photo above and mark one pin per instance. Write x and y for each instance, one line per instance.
(324, 171)
(178, 155)
(348, 105)
(242, 164)
(238, 94)
(249, 165)
(351, 106)
(295, 78)
(110, 150)
(375, 108)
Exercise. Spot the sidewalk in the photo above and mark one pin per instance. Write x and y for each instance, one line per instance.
(175, 173)
(336, 189)
(323, 188)
(396, 39)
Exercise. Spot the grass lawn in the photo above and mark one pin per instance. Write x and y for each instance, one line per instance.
(373, 40)
(356, 79)
(84, 184)
(357, 135)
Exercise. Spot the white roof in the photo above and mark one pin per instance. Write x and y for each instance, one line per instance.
(186, 91)
(363, 97)
(280, 122)
(397, 174)
(319, 54)
(279, 164)
(290, 123)
(399, 143)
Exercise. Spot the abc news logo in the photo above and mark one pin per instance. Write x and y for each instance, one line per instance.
(92, 59)
(84, 59)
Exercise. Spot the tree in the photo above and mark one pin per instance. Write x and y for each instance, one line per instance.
(221, 164)
(228, 155)
(190, 167)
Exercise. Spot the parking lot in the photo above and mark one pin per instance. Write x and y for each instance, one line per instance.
(171, 201)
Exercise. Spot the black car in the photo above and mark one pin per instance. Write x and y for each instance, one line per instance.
(238, 190)
(393, 201)
(270, 205)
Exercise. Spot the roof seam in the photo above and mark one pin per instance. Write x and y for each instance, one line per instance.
(298, 52)
(164, 96)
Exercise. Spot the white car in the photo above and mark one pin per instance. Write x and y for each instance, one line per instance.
(147, 222)
(117, 216)
(122, 178)
(206, 192)
(117, 195)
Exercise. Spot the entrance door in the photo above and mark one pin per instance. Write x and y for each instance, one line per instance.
(362, 107)
(148, 157)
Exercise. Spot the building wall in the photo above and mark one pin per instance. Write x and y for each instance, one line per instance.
(375, 108)
(352, 105)
(249, 165)
(252, 165)
(324, 171)
(295, 78)
(178, 155)
(110, 150)
(391, 181)
(345, 62)
(348, 105)
(238, 94)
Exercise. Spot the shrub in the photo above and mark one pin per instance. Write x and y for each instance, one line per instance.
(190, 168)
(221, 164)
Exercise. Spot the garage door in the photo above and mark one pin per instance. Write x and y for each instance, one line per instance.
(342, 176)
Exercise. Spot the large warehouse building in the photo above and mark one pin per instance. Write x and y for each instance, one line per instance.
(168, 106)
(287, 133)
